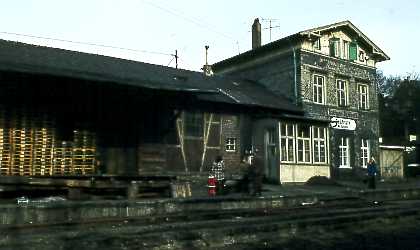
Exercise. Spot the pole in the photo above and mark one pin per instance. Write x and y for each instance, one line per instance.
(176, 58)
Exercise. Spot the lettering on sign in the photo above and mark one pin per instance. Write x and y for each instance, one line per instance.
(342, 123)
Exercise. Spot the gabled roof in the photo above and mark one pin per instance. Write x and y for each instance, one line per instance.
(26, 58)
(291, 39)
(347, 24)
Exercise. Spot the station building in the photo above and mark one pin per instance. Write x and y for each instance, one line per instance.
(328, 72)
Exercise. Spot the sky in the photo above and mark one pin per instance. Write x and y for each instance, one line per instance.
(151, 30)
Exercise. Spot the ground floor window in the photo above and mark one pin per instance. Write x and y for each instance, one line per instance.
(287, 142)
(365, 152)
(344, 152)
(303, 143)
(319, 145)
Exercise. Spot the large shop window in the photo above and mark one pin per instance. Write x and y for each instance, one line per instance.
(363, 96)
(193, 124)
(365, 152)
(287, 142)
(303, 143)
(319, 145)
(318, 89)
(341, 93)
(344, 152)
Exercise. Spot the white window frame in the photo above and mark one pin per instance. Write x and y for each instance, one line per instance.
(361, 56)
(317, 44)
(318, 87)
(230, 144)
(306, 141)
(346, 49)
(287, 138)
(319, 142)
(363, 96)
(337, 47)
(344, 152)
(364, 152)
(342, 91)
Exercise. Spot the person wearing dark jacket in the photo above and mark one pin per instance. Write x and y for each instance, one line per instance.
(371, 172)
(256, 174)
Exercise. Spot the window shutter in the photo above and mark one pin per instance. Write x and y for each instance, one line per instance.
(353, 51)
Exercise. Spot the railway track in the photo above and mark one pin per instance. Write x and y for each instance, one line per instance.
(233, 229)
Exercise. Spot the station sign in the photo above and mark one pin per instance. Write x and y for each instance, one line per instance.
(342, 123)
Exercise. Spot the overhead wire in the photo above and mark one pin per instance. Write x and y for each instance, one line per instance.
(189, 19)
(86, 43)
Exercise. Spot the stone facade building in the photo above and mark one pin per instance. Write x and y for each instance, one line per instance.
(329, 72)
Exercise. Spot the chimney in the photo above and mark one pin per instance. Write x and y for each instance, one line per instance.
(256, 34)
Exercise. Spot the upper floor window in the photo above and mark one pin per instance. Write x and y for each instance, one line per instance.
(287, 142)
(193, 124)
(303, 143)
(363, 96)
(335, 47)
(364, 152)
(361, 56)
(318, 89)
(316, 44)
(346, 49)
(342, 93)
(319, 145)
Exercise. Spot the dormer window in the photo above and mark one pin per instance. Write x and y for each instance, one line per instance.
(335, 47)
(361, 56)
(316, 44)
(346, 49)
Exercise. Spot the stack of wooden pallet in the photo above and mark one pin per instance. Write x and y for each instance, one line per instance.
(22, 148)
(29, 146)
(84, 152)
(5, 150)
(43, 149)
(63, 158)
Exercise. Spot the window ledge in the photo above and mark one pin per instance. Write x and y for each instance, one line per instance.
(345, 167)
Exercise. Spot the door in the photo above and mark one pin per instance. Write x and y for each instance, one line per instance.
(270, 168)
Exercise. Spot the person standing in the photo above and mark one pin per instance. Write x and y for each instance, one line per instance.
(371, 172)
(218, 171)
(256, 174)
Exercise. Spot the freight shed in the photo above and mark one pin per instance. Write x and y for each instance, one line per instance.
(66, 113)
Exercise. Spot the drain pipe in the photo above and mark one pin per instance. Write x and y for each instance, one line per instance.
(295, 75)
(294, 69)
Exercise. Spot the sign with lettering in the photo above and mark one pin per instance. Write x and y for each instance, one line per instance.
(342, 123)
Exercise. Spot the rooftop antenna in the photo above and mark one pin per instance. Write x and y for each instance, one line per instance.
(270, 20)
